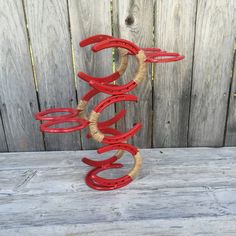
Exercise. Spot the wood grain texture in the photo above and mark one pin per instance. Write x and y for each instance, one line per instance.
(50, 38)
(174, 32)
(213, 55)
(230, 138)
(133, 20)
(18, 101)
(3, 143)
(57, 172)
(216, 226)
(179, 192)
(90, 18)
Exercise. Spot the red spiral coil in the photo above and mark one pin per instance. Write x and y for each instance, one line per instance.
(102, 132)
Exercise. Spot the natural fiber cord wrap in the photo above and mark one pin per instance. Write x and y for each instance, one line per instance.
(119, 154)
(94, 131)
(137, 165)
(142, 68)
(123, 60)
(81, 106)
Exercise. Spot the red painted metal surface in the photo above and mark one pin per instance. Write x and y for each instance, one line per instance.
(114, 90)
(100, 183)
(94, 39)
(113, 138)
(81, 123)
(105, 79)
(117, 43)
(44, 115)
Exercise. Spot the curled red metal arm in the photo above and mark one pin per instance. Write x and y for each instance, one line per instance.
(114, 90)
(105, 79)
(94, 39)
(116, 43)
(102, 131)
(81, 124)
(43, 115)
(163, 57)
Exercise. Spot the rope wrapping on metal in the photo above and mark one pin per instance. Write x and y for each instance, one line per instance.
(102, 132)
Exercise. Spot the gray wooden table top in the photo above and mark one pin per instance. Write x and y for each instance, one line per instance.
(178, 192)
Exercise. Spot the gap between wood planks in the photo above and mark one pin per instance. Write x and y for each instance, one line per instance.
(32, 66)
(229, 94)
(191, 80)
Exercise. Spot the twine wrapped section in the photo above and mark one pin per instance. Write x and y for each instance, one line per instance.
(96, 133)
(119, 154)
(93, 128)
(123, 63)
(123, 60)
(81, 106)
(96, 130)
(142, 67)
(137, 165)
(114, 138)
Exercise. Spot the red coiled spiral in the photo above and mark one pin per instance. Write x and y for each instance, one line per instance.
(102, 132)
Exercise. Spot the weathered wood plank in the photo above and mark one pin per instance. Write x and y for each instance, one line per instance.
(25, 210)
(3, 143)
(18, 101)
(177, 190)
(179, 156)
(217, 226)
(174, 32)
(50, 38)
(213, 55)
(50, 173)
(230, 138)
(90, 17)
(133, 20)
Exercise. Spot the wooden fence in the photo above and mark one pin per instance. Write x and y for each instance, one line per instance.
(188, 103)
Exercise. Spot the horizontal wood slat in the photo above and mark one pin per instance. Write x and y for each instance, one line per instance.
(186, 190)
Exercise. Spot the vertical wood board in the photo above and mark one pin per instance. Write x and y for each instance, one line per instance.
(133, 20)
(18, 101)
(3, 142)
(49, 34)
(230, 139)
(174, 32)
(90, 17)
(213, 55)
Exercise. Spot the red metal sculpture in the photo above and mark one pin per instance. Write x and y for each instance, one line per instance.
(101, 131)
